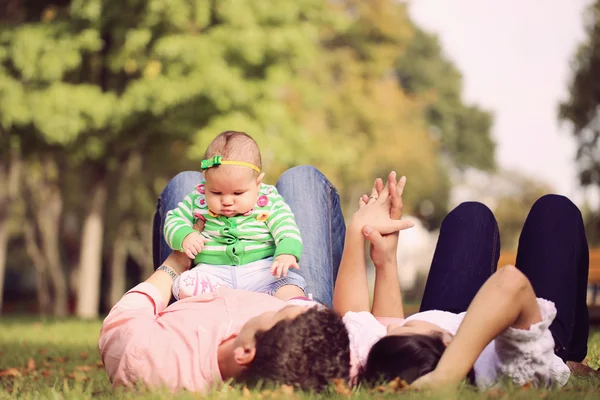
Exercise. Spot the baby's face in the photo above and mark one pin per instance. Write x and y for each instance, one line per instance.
(231, 189)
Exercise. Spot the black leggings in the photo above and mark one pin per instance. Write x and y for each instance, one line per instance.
(553, 254)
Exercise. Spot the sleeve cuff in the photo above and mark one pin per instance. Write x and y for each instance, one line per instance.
(152, 293)
(181, 234)
(289, 246)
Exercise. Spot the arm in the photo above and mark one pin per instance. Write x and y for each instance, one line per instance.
(387, 295)
(505, 300)
(351, 291)
(179, 222)
(136, 312)
(283, 228)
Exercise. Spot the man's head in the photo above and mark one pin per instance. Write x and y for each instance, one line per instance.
(233, 189)
(306, 348)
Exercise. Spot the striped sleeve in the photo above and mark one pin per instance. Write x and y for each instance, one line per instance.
(179, 222)
(282, 225)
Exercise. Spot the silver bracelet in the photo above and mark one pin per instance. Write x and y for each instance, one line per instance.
(168, 270)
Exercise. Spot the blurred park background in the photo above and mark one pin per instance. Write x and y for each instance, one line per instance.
(103, 101)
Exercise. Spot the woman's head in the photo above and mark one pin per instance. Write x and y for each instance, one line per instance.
(407, 352)
(407, 357)
(233, 189)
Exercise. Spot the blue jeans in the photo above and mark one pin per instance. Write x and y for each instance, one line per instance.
(316, 206)
(553, 254)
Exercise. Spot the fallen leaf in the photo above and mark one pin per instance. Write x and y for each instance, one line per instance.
(83, 368)
(398, 385)
(287, 389)
(12, 372)
(340, 387)
(60, 359)
(83, 355)
(100, 364)
(43, 351)
(495, 393)
(526, 386)
(246, 392)
(46, 364)
(46, 372)
(78, 376)
(31, 365)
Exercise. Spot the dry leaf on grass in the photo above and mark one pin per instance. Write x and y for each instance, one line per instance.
(495, 393)
(61, 360)
(99, 364)
(84, 355)
(84, 368)
(287, 389)
(78, 376)
(46, 373)
(43, 351)
(340, 387)
(31, 365)
(11, 372)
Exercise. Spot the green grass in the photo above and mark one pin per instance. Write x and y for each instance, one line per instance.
(59, 360)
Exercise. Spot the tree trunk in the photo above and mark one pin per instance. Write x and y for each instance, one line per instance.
(49, 223)
(41, 274)
(9, 189)
(90, 263)
(118, 273)
(3, 249)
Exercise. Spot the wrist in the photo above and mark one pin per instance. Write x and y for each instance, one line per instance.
(387, 268)
(168, 270)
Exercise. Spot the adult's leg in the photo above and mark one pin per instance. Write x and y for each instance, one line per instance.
(466, 255)
(316, 206)
(175, 191)
(553, 254)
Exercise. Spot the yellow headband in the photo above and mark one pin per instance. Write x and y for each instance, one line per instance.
(218, 160)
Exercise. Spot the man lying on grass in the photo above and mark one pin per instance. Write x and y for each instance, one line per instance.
(229, 334)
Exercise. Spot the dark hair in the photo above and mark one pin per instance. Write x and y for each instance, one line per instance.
(308, 352)
(407, 357)
(234, 145)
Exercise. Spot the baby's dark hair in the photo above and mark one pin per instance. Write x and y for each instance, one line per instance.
(407, 357)
(237, 146)
(308, 352)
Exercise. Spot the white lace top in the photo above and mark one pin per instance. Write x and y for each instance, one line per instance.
(524, 356)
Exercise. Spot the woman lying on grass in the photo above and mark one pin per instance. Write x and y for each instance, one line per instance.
(521, 323)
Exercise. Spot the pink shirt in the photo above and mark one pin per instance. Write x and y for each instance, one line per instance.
(142, 341)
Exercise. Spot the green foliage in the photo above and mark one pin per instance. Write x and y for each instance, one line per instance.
(101, 85)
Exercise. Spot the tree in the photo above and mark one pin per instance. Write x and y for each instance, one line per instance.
(107, 78)
(582, 108)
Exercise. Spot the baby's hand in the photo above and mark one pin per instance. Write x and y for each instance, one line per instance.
(193, 244)
(282, 263)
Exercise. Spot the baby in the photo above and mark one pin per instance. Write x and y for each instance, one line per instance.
(249, 238)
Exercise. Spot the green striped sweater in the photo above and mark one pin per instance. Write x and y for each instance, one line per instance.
(267, 230)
